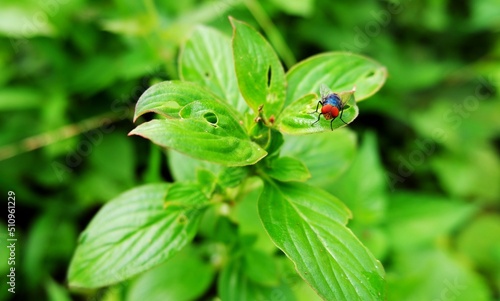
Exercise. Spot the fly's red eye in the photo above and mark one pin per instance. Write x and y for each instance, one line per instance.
(327, 109)
(334, 111)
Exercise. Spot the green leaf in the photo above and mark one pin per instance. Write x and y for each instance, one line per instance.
(471, 173)
(52, 236)
(232, 176)
(261, 77)
(56, 292)
(95, 73)
(185, 277)
(288, 169)
(299, 117)
(184, 168)
(25, 20)
(303, 8)
(363, 186)
(201, 140)
(309, 225)
(119, 170)
(340, 71)
(246, 214)
(479, 241)
(275, 143)
(434, 275)
(207, 182)
(207, 59)
(170, 97)
(114, 293)
(224, 230)
(261, 268)
(234, 284)
(134, 232)
(20, 98)
(484, 14)
(326, 156)
(301, 289)
(197, 124)
(426, 217)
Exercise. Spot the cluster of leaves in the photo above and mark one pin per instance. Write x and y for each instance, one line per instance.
(434, 224)
(205, 116)
(438, 127)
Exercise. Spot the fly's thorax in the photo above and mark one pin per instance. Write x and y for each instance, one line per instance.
(334, 100)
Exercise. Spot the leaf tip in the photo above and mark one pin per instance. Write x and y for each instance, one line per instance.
(235, 22)
(133, 132)
(232, 20)
(136, 113)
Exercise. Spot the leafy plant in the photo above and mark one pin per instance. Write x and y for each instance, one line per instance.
(224, 121)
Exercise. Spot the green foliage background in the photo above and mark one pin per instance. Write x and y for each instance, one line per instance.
(419, 168)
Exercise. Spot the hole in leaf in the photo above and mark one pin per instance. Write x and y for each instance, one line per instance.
(207, 75)
(182, 220)
(210, 118)
(269, 75)
(370, 74)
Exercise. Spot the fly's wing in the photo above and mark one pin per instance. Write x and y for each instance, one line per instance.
(324, 91)
(347, 97)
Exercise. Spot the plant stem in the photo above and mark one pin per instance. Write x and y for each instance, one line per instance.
(51, 137)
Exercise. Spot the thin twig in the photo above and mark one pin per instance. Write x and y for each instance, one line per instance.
(53, 136)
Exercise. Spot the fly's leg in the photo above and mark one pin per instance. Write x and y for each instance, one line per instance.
(342, 111)
(319, 117)
(317, 106)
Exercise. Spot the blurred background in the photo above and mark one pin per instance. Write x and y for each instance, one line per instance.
(427, 166)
